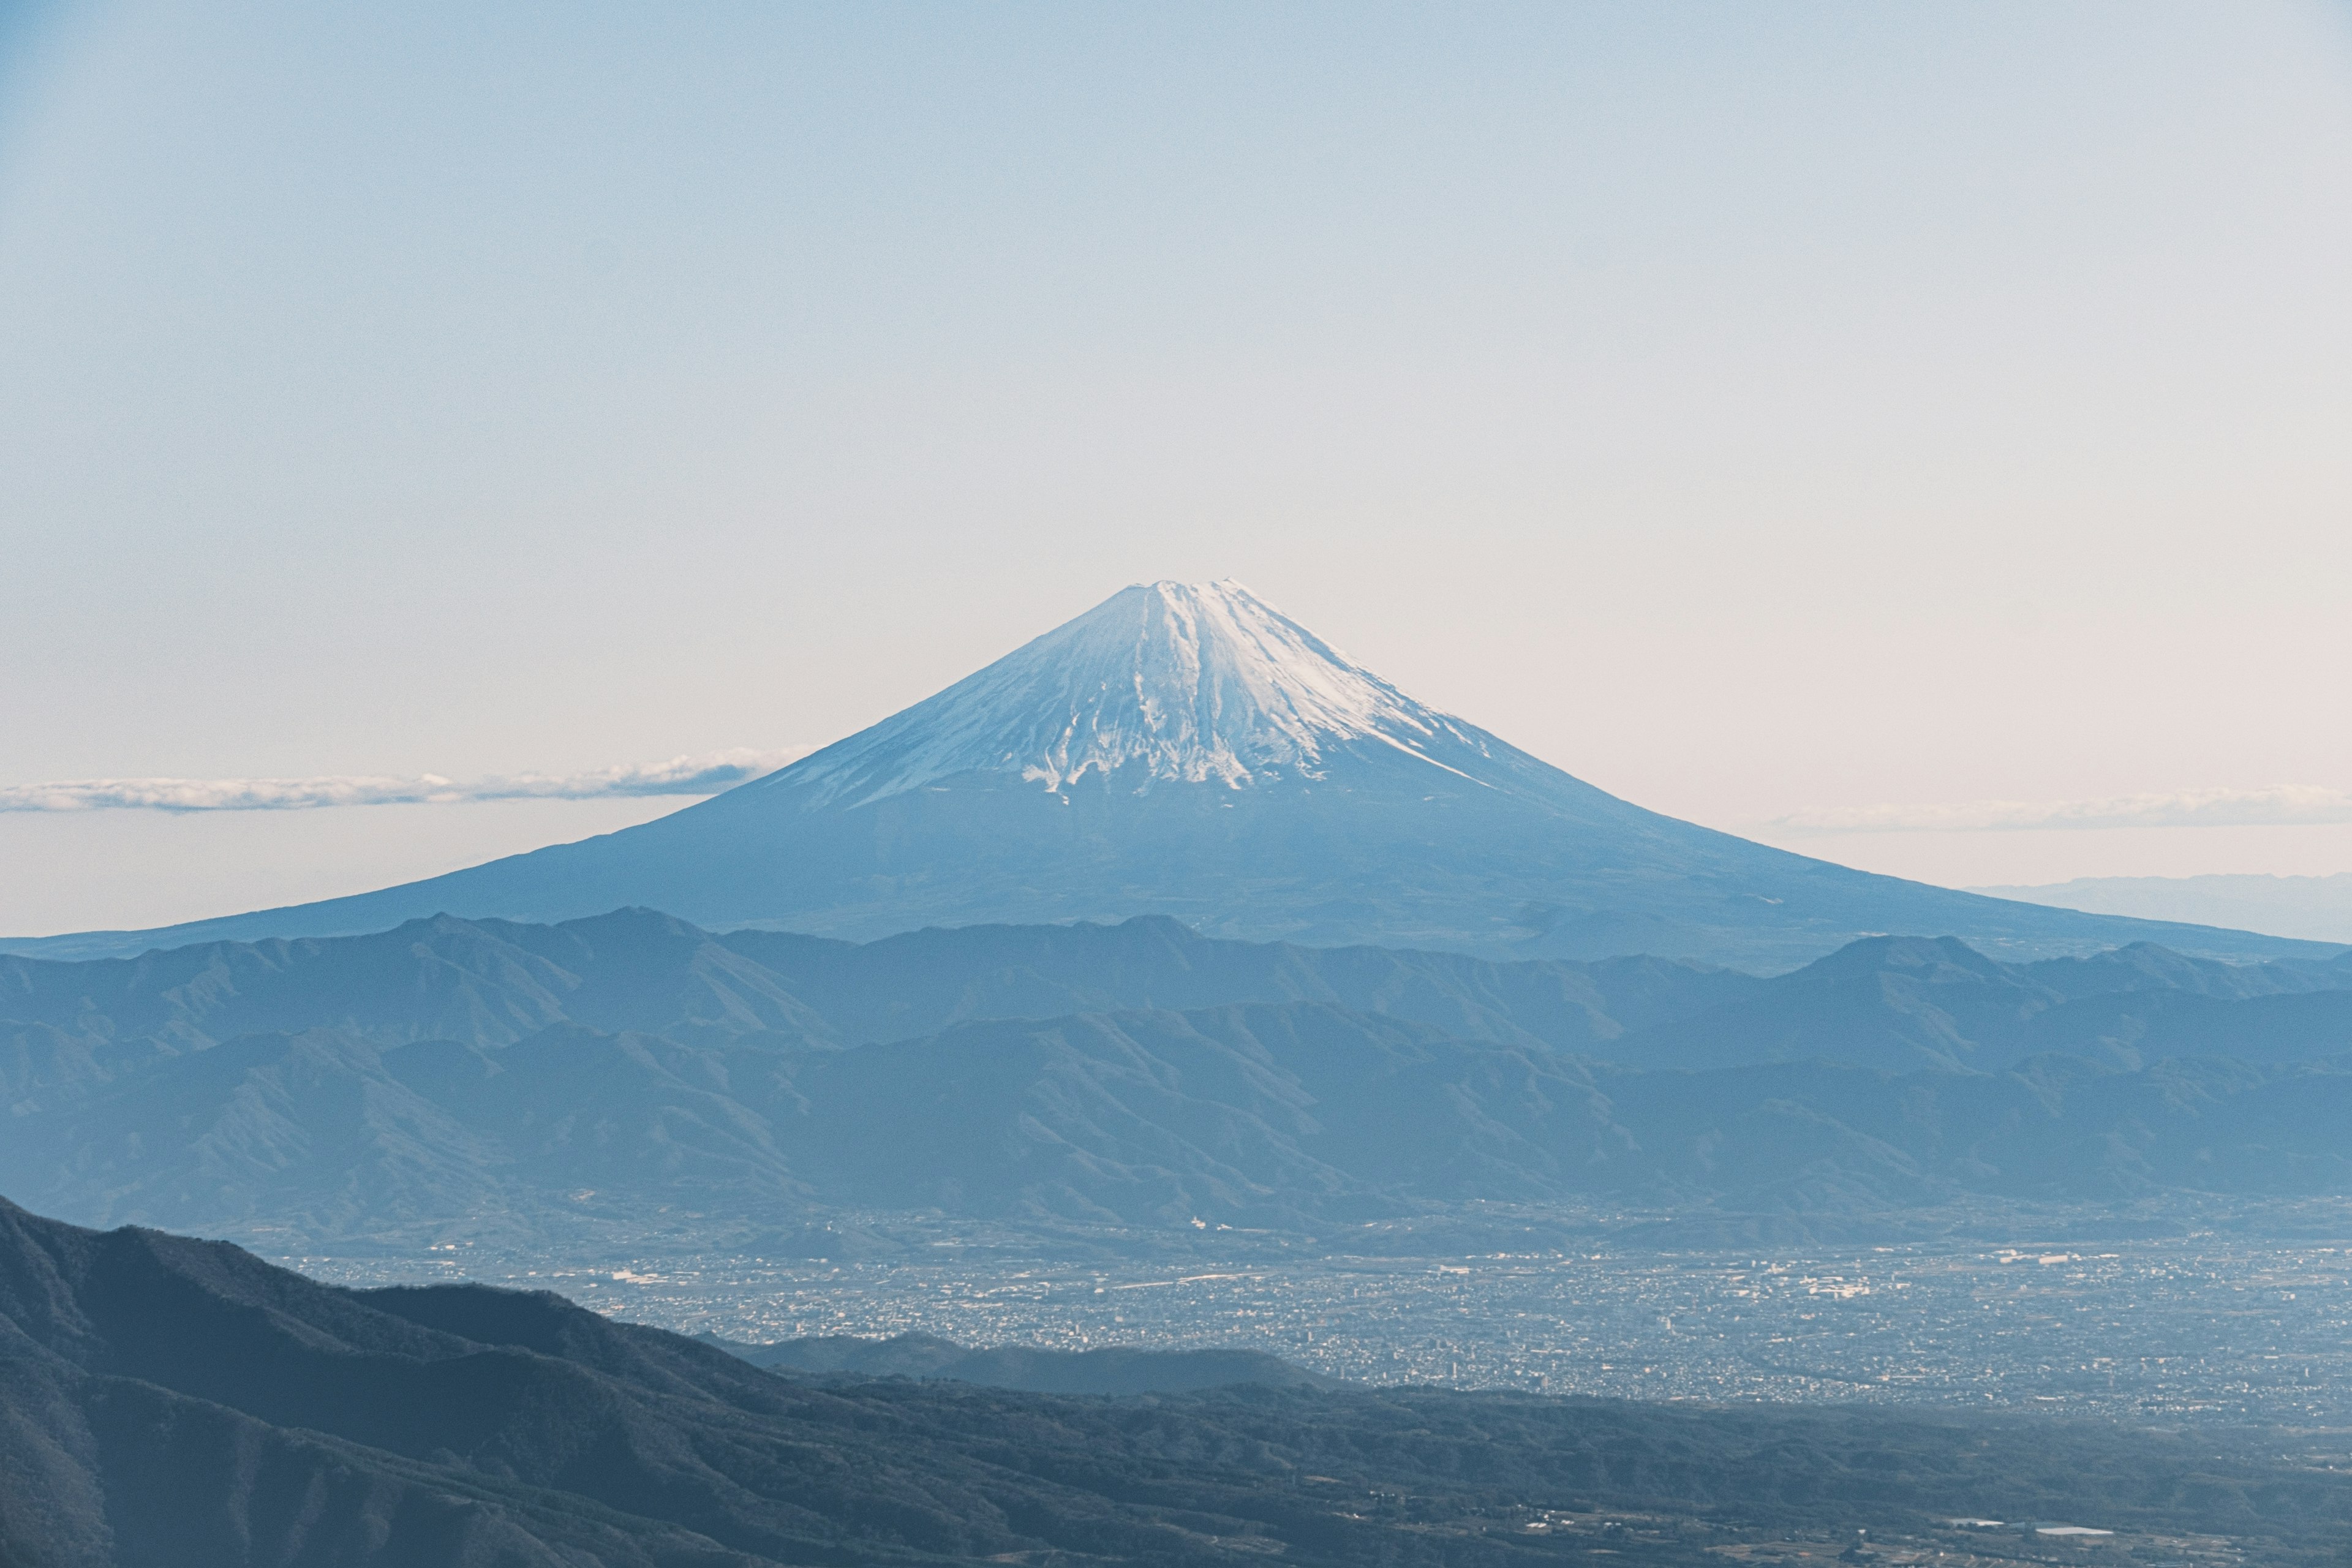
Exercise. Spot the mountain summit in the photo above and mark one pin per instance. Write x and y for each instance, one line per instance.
(1163, 682)
(1187, 749)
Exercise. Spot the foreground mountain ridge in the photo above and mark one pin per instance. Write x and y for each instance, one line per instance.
(1187, 749)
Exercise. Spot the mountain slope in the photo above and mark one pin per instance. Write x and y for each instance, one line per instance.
(924, 981)
(1188, 750)
(1906, 1002)
(488, 982)
(1104, 1369)
(67, 1027)
(1289, 1117)
(487, 1079)
(491, 983)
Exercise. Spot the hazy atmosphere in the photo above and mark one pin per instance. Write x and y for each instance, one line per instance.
(908, 785)
(1913, 437)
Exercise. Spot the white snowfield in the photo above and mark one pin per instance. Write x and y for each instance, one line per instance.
(1163, 682)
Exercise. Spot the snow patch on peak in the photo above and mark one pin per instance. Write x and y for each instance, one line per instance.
(1178, 682)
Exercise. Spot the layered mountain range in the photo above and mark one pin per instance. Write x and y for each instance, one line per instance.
(471, 1077)
(1187, 749)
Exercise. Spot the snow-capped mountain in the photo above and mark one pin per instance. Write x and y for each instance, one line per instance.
(1162, 683)
(1187, 749)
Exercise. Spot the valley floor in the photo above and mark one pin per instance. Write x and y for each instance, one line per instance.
(2199, 1326)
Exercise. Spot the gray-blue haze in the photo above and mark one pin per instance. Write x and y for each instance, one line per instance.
(2316, 909)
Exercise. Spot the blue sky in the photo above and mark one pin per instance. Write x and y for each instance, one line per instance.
(1776, 416)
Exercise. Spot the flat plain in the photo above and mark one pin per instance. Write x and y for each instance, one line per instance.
(2199, 1328)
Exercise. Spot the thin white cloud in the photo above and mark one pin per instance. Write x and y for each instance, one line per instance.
(2288, 805)
(706, 774)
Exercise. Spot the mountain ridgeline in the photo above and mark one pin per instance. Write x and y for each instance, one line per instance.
(1187, 749)
(455, 1074)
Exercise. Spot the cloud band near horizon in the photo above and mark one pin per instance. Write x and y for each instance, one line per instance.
(709, 774)
(2284, 806)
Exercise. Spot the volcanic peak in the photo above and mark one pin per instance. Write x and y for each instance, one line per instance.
(1181, 682)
